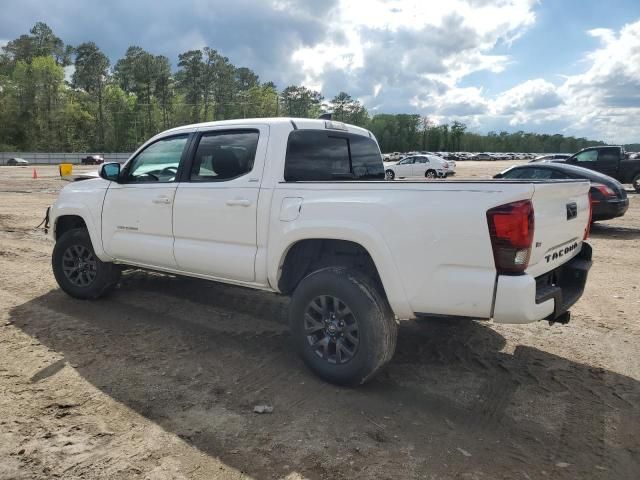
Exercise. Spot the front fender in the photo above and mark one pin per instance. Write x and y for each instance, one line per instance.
(83, 199)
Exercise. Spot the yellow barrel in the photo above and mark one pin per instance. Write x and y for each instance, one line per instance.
(66, 169)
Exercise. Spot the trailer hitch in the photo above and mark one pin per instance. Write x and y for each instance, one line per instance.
(562, 319)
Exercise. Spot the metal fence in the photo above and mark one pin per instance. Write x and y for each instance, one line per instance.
(44, 158)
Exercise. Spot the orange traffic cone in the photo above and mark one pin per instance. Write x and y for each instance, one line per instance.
(35, 174)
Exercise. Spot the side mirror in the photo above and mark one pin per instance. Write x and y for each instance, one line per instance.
(110, 171)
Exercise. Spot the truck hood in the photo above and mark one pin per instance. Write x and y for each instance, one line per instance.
(81, 176)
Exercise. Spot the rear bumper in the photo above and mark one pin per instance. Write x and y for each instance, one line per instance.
(524, 299)
(610, 209)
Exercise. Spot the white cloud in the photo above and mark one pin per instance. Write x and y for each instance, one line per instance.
(402, 49)
(529, 96)
(603, 102)
(396, 56)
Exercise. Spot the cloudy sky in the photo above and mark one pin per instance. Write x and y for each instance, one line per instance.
(552, 66)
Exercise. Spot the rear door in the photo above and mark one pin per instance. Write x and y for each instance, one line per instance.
(215, 208)
(608, 160)
(561, 212)
(420, 166)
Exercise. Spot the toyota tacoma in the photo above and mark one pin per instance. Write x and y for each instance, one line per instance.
(300, 207)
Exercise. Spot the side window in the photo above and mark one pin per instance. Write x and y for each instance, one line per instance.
(555, 175)
(609, 155)
(366, 160)
(158, 162)
(541, 174)
(422, 160)
(518, 173)
(407, 161)
(587, 156)
(319, 155)
(224, 155)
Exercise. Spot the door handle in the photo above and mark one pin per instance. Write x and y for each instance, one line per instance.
(239, 202)
(162, 200)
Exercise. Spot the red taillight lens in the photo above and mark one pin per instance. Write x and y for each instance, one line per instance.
(605, 191)
(511, 228)
(587, 229)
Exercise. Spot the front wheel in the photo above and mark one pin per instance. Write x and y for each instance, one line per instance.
(77, 269)
(342, 327)
(636, 183)
(389, 175)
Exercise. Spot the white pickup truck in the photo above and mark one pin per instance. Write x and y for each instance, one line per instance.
(300, 207)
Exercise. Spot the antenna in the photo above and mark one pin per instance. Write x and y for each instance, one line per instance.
(325, 116)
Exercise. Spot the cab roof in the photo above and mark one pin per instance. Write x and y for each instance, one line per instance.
(295, 123)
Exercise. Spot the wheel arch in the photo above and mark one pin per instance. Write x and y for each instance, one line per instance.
(69, 218)
(307, 251)
(64, 223)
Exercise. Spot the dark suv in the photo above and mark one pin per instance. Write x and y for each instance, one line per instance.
(610, 160)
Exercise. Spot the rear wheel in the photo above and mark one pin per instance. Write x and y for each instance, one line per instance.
(77, 269)
(342, 327)
(431, 174)
(636, 183)
(389, 175)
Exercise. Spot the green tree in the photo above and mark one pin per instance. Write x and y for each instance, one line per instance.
(164, 88)
(457, 130)
(190, 80)
(48, 81)
(91, 74)
(301, 102)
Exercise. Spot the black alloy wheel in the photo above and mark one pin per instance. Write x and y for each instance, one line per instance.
(331, 329)
(79, 265)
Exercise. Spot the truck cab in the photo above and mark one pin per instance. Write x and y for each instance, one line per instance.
(610, 160)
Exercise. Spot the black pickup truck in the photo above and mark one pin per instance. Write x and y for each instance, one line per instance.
(610, 160)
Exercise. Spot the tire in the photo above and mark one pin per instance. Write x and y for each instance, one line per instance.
(389, 175)
(375, 332)
(636, 183)
(78, 270)
(431, 174)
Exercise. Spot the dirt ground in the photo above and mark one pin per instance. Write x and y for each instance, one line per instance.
(159, 380)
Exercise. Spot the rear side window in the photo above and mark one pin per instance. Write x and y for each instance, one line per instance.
(319, 155)
(224, 155)
(515, 174)
(609, 155)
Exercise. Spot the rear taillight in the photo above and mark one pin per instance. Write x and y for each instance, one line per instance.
(511, 229)
(587, 229)
(605, 191)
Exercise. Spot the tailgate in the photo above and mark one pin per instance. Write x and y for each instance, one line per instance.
(561, 212)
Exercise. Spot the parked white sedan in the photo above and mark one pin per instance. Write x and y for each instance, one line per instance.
(419, 166)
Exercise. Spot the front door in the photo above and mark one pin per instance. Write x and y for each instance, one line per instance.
(405, 167)
(587, 159)
(215, 211)
(137, 212)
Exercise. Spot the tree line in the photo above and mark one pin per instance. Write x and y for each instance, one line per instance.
(105, 108)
